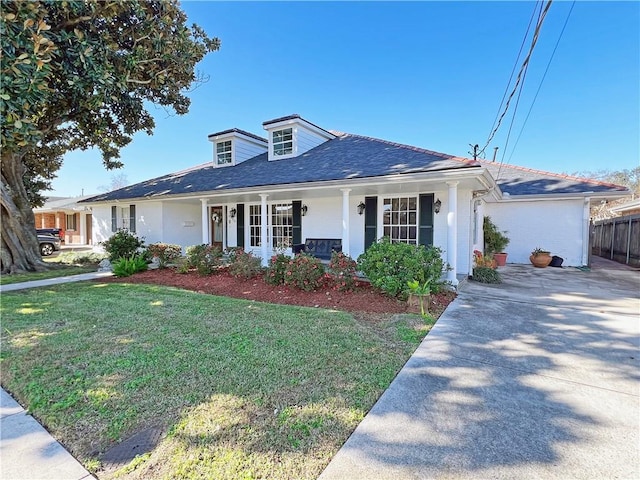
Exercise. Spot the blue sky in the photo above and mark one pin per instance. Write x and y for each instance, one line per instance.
(429, 74)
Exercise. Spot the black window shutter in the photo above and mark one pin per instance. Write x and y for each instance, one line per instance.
(240, 225)
(425, 230)
(370, 221)
(114, 219)
(132, 218)
(297, 222)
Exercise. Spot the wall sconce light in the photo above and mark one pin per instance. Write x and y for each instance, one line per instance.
(232, 213)
(437, 205)
(361, 207)
(303, 210)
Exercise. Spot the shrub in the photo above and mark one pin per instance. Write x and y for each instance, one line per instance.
(204, 258)
(342, 271)
(277, 268)
(389, 266)
(244, 265)
(304, 272)
(486, 275)
(122, 244)
(166, 252)
(123, 267)
(495, 241)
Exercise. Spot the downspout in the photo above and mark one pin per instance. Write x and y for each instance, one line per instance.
(586, 236)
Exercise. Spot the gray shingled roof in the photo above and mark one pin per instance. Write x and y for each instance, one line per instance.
(526, 181)
(349, 157)
(342, 158)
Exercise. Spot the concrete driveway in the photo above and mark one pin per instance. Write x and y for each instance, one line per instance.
(538, 377)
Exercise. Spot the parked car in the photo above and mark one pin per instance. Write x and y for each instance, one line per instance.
(48, 244)
(49, 231)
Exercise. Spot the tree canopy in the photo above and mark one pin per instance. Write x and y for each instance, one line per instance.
(76, 74)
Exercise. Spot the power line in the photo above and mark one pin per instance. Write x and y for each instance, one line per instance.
(515, 64)
(542, 80)
(523, 68)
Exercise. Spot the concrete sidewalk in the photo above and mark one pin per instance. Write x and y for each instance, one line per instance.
(28, 452)
(54, 281)
(535, 378)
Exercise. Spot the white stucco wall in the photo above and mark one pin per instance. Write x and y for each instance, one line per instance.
(149, 221)
(554, 225)
(181, 224)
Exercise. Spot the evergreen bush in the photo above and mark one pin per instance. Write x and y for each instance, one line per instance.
(122, 244)
(390, 266)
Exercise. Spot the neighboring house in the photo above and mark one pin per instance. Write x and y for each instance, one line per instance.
(73, 219)
(631, 207)
(303, 181)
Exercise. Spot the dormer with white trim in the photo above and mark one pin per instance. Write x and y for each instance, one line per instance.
(234, 146)
(292, 136)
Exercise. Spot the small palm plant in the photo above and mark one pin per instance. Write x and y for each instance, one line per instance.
(422, 291)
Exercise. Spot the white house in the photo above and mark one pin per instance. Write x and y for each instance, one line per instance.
(303, 181)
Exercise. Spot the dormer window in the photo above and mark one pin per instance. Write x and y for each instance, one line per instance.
(223, 153)
(234, 146)
(283, 142)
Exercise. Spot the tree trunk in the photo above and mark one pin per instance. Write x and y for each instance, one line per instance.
(19, 248)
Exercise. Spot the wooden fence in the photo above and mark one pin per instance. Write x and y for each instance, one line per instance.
(617, 239)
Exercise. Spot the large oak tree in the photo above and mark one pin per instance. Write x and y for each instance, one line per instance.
(76, 74)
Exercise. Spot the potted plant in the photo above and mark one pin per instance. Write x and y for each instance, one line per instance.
(495, 241)
(540, 258)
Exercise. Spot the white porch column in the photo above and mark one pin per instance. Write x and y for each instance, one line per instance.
(264, 252)
(204, 211)
(452, 233)
(345, 220)
(83, 228)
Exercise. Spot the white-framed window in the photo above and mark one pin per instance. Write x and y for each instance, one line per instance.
(223, 152)
(123, 218)
(400, 219)
(254, 225)
(71, 222)
(282, 225)
(283, 142)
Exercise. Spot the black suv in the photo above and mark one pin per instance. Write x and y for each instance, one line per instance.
(48, 244)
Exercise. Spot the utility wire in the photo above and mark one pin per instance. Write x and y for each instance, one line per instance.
(513, 116)
(515, 64)
(542, 81)
(523, 68)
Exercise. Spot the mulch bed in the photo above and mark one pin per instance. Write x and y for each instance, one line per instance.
(364, 298)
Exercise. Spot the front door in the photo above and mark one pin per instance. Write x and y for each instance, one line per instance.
(217, 226)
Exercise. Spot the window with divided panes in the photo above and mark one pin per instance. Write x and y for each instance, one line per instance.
(400, 219)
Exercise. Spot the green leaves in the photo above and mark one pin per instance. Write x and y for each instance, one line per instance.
(82, 71)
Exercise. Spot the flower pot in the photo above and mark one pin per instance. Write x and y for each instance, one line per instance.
(541, 260)
(500, 258)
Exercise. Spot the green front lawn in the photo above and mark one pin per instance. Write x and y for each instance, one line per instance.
(243, 389)
(63, 271)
